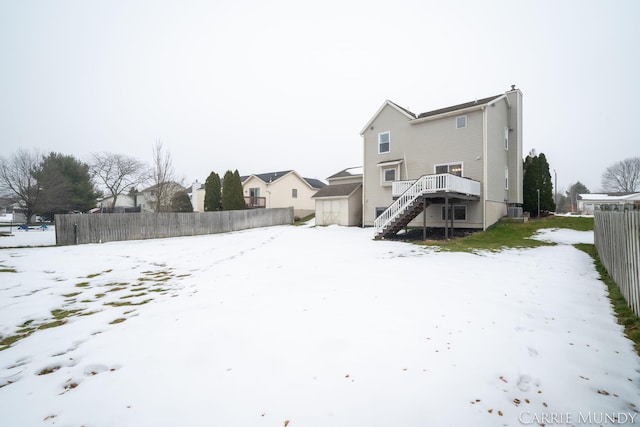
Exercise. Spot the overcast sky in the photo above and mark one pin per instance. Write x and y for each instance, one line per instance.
(261, 86)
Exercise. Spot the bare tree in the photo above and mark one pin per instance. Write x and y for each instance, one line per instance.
(623, 176)
(163, 178)
(18, 178)
(117, 173)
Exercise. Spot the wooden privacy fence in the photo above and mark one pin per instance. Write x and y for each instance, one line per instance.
(617, 239)
(73, 229)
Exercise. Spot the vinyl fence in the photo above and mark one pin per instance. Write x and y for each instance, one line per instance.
(617, 239)
(73, 229)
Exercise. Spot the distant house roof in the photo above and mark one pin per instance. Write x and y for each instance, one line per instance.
(315, 183)
(610, 196)
(153, 187)
(266, 177)
(337, 190)
(347, 173)
(270, 177)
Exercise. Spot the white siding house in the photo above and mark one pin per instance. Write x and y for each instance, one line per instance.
(461, 163)
(281, 190)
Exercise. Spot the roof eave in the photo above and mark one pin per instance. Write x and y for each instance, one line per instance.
(344, 196)
(460, 111)
(384, 104)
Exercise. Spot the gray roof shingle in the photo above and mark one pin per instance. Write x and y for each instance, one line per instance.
(458, 107)
(274, 176)
(337, 190)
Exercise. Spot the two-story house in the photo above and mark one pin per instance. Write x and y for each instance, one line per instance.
(280, 190)
(459, 165)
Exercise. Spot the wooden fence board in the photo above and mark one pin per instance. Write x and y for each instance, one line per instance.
(109, 227)
(617, 240)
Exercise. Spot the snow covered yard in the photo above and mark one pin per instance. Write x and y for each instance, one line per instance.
(33, 237)
(310, 327)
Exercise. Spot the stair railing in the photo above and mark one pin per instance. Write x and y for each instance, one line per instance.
(425, 184)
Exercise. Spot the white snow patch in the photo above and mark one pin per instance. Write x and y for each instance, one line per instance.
(564, 236)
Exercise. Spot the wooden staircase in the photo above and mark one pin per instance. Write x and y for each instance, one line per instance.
(403, 219)
(410, 203)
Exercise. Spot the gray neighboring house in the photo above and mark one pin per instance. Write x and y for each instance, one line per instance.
(340, 202)
(147, 199)
(11, 211)
(589, 202)
(460, 164)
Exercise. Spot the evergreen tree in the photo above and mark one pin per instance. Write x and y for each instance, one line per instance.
(537, 178)
(180, 202)
(232, 196)
(66, 185)
(213, 193)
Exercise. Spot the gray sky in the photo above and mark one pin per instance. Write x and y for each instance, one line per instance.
(286, 84)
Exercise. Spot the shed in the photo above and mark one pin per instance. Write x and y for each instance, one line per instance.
(340, 202)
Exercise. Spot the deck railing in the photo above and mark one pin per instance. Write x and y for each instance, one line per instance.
(254, 202)
(442, 182)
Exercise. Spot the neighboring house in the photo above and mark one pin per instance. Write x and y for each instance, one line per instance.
(124, 202)
(147, 199)
(588, 203)
(196, 194)
(11, 211)
(280, 190)
(461, 163)
(340, 202)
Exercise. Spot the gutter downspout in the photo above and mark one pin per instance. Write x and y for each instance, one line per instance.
(364, 180)
(485, 174)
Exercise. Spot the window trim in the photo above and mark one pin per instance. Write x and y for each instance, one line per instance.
(458, 124)
(448, 165)
(453, 209)
(384, 169)
(388, 133)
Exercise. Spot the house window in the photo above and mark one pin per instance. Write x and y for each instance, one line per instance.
(388, 174)
(461, 122)
(379, 211)
(294, 193)
(456, 212)
(384, 142)
(506, 138)
(452, 168)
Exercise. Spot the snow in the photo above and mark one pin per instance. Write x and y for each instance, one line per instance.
(312, 326)
(33, 237)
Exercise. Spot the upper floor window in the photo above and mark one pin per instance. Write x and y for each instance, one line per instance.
(452, 168)
(384, 142)
(461, 122)
(294, 193)
(506, 138)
